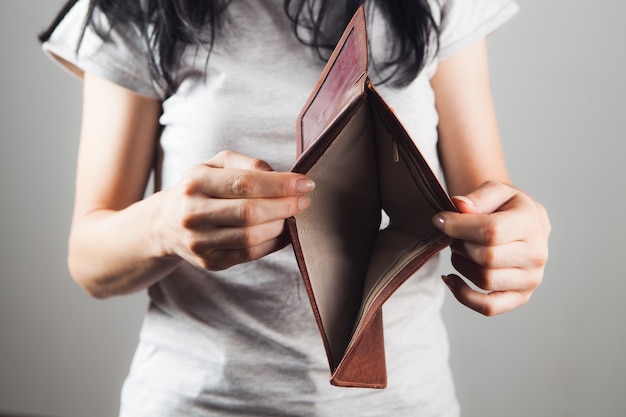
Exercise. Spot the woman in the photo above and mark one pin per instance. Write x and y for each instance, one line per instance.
(210, 91)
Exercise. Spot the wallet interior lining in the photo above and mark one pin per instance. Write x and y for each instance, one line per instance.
(406, 200)
(365, 170)
(337, 232)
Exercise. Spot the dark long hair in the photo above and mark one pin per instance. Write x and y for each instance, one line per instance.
(170, 26)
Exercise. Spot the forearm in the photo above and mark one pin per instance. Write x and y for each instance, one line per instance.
(228, 210)
(500, 232)
(469, 142)
(119, 252)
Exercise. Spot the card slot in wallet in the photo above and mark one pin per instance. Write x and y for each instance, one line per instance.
(363, 163)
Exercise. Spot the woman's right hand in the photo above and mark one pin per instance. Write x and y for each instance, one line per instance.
(230, 210)
(226, 211)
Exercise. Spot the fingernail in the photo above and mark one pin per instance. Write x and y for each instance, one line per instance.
(464, 199)
(446, 280)
(439, 221)
(303, 202)
(304, 186)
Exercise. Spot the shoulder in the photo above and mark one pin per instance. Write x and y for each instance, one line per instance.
(463, 22)
(117, 53)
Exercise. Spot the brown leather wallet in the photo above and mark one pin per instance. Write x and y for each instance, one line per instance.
(363, 163)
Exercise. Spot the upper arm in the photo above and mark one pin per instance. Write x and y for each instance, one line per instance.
(469, 142)
(117, 146)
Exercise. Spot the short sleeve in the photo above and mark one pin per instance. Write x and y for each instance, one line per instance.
(122, 59)
(466, 21)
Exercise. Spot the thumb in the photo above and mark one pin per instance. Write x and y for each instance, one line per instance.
(486, 199)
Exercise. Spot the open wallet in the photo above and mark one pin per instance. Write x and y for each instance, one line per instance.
(363, 163)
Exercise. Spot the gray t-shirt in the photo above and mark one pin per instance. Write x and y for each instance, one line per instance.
(244, 341)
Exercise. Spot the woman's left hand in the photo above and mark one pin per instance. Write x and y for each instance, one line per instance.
(502, 247)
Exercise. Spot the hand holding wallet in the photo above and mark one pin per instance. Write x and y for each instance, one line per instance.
(363, 163)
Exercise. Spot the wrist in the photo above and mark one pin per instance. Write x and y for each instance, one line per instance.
(161, 239)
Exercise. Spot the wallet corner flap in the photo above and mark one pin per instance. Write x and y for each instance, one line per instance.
(363, 364)
(334, 82)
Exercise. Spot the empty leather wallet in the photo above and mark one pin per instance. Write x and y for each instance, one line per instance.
(363, 163)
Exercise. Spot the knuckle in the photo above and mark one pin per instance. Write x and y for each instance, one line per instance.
(488, 310)
(192, 180)
(260, 165)
(219, 264)
(247, 213)
(535, 279)
(242, 185)
(488, 282)
(224, 154)
(249, 237)
(485, 255)
(193, 244)
(251, 253)
(188, 183)
(490, 232)
(206, 263)
(215, 262)
(539, 257)
(186, 222)
(247, 254)
(227, 258)
(186, 214)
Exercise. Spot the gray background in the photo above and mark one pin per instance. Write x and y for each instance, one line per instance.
(558, 77)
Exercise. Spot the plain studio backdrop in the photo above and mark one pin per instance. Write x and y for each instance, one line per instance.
(558, 73)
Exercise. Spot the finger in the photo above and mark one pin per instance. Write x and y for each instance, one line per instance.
(223, 259)
(498, 279)
(241, 183)
(231, 159)
(486, 229)
(486, 199)
(218, 212)
(488, 304)
(494, 213)
(516, 254)
(223, 238)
